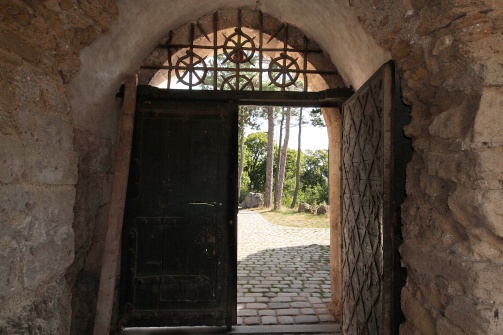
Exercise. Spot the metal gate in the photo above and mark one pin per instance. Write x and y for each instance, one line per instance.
(370, 200)
(178, 265)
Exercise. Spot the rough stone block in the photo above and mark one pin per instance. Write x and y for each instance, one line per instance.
(490, 56)
(457, 167)
(489, 169)
(488, 127)
(50, 131)
(40, 219)
(10, 257)
(48, 313)
(487, 283)
(417, 314)
(433, 263)
(50, 165)
(445, 327)
(453, 123)
(472, 316)
(48, 260)
(12, 163)
(476, 209)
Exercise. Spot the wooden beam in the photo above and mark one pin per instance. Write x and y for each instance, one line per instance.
(112, 247)
(328, 98)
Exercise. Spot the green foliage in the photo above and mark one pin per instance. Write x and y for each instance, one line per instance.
(314, 171)
(255, 161)
(316, 118)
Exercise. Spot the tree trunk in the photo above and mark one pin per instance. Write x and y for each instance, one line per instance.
(241, 158)
(270, 157)
(282, 166)
(297, 171)
(279, 158)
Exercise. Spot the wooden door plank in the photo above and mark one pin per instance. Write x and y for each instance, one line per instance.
(110, 263)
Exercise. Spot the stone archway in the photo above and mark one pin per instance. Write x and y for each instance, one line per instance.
(254, 24)
(62, 63)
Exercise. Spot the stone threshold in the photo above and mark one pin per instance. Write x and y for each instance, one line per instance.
(332, 329)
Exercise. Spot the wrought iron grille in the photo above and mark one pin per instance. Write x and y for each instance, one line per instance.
(248, 57)
(362, 210)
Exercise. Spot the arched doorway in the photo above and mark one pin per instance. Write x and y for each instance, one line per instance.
(283, 71)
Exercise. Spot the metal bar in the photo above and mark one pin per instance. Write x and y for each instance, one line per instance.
(111, 252)
(305, 64)
(195, 46)
(170, 63)
(285, 47)
(260, 49)
(191, 56)
(226, 69)
(215, 50)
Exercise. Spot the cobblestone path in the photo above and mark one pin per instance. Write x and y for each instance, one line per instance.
(283, 273)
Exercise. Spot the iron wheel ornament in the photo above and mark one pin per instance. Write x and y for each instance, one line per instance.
(283, 70)
(244, 83)
(239, 47)
(188, 65)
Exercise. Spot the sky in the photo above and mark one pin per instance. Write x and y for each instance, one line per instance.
(313, 138)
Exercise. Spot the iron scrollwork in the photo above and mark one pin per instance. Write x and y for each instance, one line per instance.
(247, 56)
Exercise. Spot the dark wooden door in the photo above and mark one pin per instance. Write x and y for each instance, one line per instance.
(179, 237)
(374, 154)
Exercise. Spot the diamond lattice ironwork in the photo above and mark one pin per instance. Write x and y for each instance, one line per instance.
(362, 210)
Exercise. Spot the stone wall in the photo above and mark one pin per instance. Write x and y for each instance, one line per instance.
(55, 159)
(449, 55)
(40, 42)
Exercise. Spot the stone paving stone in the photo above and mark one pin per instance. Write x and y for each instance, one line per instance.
(322, 311)
(279, 270)
(281, 299)
(256, 305)
(246, 299)
(307, 311)
(253, 294)
(326, 318)
(254, 320)
(314, 300)
(306, 319)
(278, 305)
(247, 312)
(269, 320)
(288, 311)
(288, 294)
(299, 298)
(285, 320)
